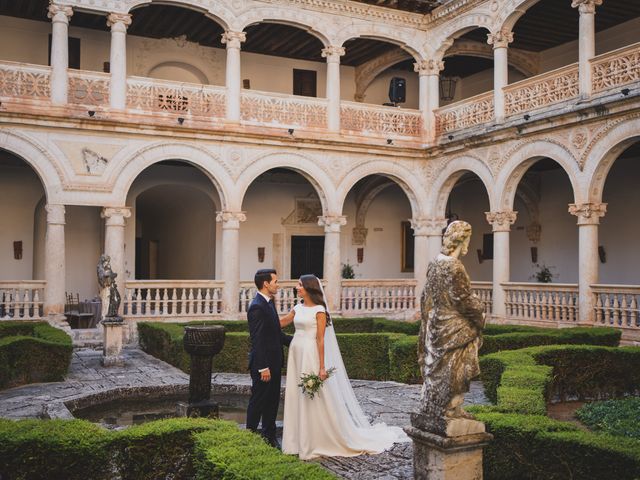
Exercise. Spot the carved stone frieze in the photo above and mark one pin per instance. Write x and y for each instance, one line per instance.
(230, 219)
(501, 221)
(332, 223)
(500, 39)
(588, 213)
(586, 6)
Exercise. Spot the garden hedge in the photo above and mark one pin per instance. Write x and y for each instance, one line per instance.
(617, 417)
(176, 448)
(32, 352)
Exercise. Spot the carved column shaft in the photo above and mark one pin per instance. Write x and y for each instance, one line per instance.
(589, 215)
(429, 100)
(233, 40)
(332, 268)
(587, 42)
(500, 42)
(118, 59)
(333, 54)
(60, 16)
(115, 221)
(231, 260)
(54, 260)
(501, 224)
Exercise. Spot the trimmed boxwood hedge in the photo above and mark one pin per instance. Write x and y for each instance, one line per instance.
(32, 352)
(617, 417)
(174, 448)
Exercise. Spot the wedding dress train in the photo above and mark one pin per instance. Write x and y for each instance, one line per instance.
(332, 423)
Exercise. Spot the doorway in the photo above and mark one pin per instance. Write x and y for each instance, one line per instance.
(307, 255)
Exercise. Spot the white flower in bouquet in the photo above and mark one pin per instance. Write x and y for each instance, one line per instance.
(310, 383)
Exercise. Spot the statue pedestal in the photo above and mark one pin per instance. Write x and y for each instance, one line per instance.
(112, 339)
(455, 455)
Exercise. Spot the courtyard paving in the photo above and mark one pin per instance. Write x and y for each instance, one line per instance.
(88, 381)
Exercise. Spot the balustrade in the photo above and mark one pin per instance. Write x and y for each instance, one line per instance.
(285, 300)
(377, 296)
(464, 114)
(21, 300)
(484, 290)
(275, 109)
(90, 89)
(25, 82)
(617, 306)
(542, 303)
(358, 118)
(615, 69)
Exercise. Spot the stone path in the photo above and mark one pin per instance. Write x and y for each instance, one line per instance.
(88, 382)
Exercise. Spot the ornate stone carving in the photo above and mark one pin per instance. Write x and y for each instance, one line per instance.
(501, 221)
(55, 214)
(233, 39)
(115, 216)
(359, 235)
(588, 213)
(332, 223)
(616, 70)
(428, 67)
(500, 39)
(333, 53)
(118, 18)
(465, 114)
(59, 12)
(230, 219)
(94, 162)
(586, 6)
(429, 227)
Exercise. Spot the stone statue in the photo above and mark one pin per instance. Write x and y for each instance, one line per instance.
(109, 288)
(450, 335)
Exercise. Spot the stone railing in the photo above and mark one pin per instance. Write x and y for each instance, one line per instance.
(464, 114)
(542, 90)
(485, 291)
(365, 297)
(172, 300)
(542, 303)
(184, 99)
(617, 306)
(21, 300)
(281, 110)
(285, 300)
(615, 69)
(90, 89)
(25, 82)
(389, 122)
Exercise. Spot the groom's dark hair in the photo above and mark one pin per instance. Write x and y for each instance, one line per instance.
(263, 275)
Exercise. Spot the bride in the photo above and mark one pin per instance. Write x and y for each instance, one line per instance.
(332, 423)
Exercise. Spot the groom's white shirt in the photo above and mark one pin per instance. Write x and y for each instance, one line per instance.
(267, 299)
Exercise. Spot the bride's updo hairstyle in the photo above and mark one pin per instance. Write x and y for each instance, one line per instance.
(312, 285)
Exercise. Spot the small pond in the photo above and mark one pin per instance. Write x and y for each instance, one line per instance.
(133, 411)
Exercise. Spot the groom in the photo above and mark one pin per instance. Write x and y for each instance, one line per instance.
(266, 356)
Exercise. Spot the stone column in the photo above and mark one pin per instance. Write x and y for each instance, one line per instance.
(501, 223)
(115, 221)
(231, 261)
(587, 42)
(333, 54)
(332, 266)
(54, 261)
(118, 22)
(233, 40)
(500, 41)
(60, 16)
(428, 241)
(429, 100)
(588, 220)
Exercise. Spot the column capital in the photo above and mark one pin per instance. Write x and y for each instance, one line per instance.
(59, 13)
(55, 214)
(500, 39)
(233, 39)
(588, 213)
(332, 223)
(428, 67)
(428, 227)
(118, 20)
(586, 6)
(501, 221)
(333, 53)
(230, 219)
(115, 216)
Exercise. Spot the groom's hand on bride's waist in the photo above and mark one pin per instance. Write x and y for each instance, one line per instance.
(265, 374)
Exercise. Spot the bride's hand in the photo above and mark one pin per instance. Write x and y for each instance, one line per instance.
(323, 374)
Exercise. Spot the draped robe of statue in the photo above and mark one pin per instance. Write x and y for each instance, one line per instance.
(450, 342)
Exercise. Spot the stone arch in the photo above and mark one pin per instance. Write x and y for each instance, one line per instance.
(511, 12)
(446, 180)
(195, 71)
(305, 166)
(603, 152)
(407, 40)
(128, 169)
(312, 23)
(135, 192)
(39, 159)
(216, 11)
(519, 161)
(406, 179)
(464, 24)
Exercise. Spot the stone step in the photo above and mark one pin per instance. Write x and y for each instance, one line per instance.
(87, 338)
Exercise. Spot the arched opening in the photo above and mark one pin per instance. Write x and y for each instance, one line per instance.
(619, 262)
(172, 231)
(281, 230)
(378, 237)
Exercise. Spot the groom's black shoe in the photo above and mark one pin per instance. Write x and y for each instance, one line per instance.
(274, 443)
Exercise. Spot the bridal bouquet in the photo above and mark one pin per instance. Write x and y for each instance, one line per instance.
(310, 383)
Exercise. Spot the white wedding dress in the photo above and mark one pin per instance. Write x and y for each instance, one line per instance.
(332, 423)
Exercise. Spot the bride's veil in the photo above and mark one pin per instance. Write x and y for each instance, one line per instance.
(333, 358)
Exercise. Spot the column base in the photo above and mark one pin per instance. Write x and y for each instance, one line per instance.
(437, 457)
(112, 339)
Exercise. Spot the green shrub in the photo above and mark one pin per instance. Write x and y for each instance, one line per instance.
(177, 448)
(617, 417)
(32, 352)
(403, 360)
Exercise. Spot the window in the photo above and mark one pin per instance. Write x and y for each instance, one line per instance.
(304, 82)
(407, 247)
(74, 52)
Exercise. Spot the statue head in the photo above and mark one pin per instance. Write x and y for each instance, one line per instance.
(105, 259)
(458, 234)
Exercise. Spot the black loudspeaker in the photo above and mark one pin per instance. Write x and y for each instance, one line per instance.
(398, 90)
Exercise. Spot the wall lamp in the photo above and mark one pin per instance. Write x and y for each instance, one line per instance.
(91, 113)
(389, 141)
(291, 130)
(180, 120)
(625, 91)
(450, 137)
(527, 116)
